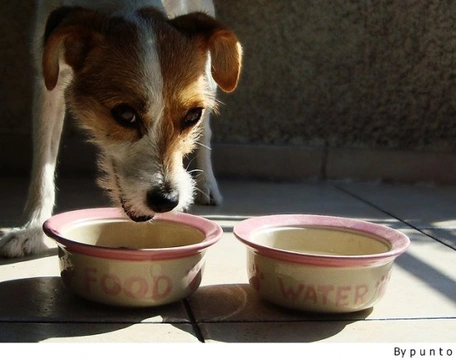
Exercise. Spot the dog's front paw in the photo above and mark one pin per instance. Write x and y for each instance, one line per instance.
(208, 192)
(20, 242)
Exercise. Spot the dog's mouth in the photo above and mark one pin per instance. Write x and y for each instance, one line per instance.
(132, 215)
(118, 195)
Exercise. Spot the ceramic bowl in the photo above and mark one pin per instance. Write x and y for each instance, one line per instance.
(319, 263)
(107, 258)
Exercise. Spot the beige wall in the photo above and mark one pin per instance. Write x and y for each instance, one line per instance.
(331, 76)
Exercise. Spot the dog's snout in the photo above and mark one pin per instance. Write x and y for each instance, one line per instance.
(160, 200)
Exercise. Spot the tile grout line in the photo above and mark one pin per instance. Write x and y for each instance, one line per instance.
(392, 215)
(418, 318)
(195, 326)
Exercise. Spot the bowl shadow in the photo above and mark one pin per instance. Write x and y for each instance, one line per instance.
(236, 313)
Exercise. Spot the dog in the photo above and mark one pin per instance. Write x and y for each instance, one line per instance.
(141, 78)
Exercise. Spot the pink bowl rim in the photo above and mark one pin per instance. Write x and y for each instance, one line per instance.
(398, 241)
(54, 226)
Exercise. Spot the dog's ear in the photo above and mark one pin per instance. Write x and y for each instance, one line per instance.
(65, 39)
(224, 46)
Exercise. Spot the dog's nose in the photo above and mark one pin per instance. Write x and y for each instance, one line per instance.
(161, 201)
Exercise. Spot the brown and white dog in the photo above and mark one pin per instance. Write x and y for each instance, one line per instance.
(140, 76)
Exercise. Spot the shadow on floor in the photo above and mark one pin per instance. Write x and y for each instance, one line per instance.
(235, 313)
(36, 309)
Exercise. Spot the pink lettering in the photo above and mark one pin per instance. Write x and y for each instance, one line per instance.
(290, 292)
(110, 284)
(360, 292)
(311, 294)
(342, 296)
(88, 278)
(135, 287)
(325, 290)
(162, 287)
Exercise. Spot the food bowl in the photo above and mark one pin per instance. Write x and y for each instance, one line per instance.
(107, 258)
(319, 263)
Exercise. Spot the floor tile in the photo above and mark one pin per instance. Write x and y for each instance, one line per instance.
(421, 206)
(245, 199)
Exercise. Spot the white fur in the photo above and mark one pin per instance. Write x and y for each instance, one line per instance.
(134, 174)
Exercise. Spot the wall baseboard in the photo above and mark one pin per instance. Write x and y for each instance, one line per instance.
(263, 162)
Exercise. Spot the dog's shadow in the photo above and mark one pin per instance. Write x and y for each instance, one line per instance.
(41, 308)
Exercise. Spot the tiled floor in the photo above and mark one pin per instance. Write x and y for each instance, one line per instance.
(419, 305)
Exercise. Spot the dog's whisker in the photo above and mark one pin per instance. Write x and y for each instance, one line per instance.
(201, 191)
(195, 171)
(203, 145)
(189, 164)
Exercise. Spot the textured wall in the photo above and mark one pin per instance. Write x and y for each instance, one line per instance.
(375, 74)
(337, 73)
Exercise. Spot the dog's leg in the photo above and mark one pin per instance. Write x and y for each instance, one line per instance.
(48, 117)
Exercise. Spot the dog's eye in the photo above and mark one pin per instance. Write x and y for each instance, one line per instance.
(125, 115)
(192, 117)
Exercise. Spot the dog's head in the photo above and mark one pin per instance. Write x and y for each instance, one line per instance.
(141, 84)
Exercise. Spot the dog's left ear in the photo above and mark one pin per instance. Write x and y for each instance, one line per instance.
(224, 46)
(66, 38)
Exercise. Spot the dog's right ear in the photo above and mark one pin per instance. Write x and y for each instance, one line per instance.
(66, 38)
(224, 46)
